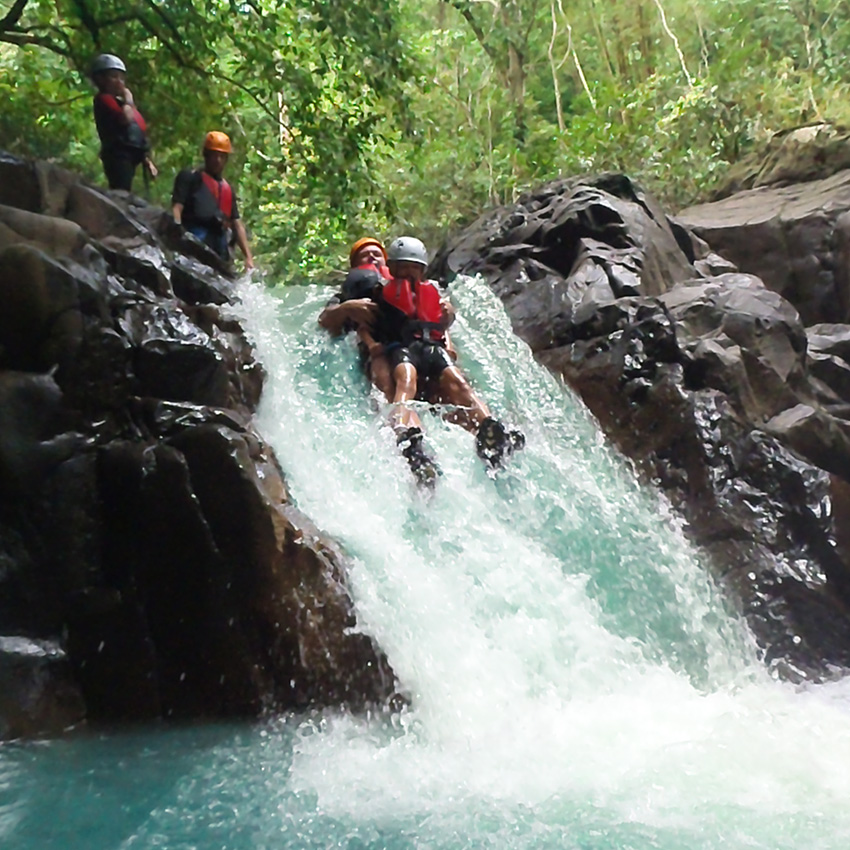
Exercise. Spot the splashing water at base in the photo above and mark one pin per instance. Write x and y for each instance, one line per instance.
(574, 678)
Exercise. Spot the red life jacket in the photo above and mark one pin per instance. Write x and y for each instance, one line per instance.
(222, 193)
(111, 103)
(137, 117)
(420, 303)
(383, 271)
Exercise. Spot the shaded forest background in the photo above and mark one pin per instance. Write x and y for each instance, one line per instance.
(390, 116)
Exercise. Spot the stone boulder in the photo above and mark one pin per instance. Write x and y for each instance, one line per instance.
(151, 562)
(795, 155)
(795, 238)
(702, 375)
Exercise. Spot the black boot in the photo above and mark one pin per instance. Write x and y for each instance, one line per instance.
(422, 465)
(495, 443)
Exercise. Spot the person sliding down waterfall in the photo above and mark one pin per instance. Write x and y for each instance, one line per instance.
(412, 328)
(354, 308)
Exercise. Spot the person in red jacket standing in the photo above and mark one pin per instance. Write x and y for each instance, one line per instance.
(120, 126)
(205, 204)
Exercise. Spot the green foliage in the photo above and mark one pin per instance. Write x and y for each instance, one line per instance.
(300, 87)
(391, 116)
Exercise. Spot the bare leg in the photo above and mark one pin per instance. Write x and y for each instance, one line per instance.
(453, 388)
(408, 427)
(405, 379)
(381, 375)
(493, 441)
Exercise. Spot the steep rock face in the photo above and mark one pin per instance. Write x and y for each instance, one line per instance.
(795, 238)
(703, 377)
(151, 564)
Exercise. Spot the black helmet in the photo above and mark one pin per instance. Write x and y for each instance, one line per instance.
(107, 62)
(409, 249)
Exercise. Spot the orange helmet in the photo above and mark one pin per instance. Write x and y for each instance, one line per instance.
(362, 243)
(217, 141)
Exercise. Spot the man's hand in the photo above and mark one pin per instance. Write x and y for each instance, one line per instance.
(361, 311)
(449, 314)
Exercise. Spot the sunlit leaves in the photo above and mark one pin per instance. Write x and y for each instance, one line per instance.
(392, 116)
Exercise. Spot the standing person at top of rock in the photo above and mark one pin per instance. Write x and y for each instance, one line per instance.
(120, 126)
(412, 327)
(205, 204)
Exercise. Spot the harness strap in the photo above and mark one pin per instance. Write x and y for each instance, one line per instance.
(429, 331)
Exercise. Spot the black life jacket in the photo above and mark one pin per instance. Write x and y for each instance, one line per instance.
(361, 281)
(117, 138)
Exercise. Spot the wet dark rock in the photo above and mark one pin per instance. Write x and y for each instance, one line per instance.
(52, 234)
(795, 155)
(38, 694)
(151, 564)
(19, 185)
(145, 264)
(796, 238)
(182, 243)
(102, 217)
(703, 376)
(196, 283)
(33, 424)
(41, 324)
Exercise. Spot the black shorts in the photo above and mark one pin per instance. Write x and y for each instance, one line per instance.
(429, 359)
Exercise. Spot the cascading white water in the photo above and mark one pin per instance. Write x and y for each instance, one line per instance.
(562, 647)
(575, 680)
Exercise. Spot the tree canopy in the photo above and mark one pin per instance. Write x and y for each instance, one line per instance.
(392, 116)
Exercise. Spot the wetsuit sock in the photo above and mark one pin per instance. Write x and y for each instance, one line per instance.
(423, 466)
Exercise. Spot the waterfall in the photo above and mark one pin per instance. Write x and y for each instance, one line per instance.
(554, 631)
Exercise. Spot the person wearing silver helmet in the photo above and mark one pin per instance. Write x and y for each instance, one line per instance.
(414, 331)
(120, 126)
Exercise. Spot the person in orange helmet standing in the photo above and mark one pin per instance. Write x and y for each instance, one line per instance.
(204, 203)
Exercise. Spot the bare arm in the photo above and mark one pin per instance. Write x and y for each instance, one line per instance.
(365, 336)
(242, 242)
(128, 105)
(360, 311)
(177, 212)
(448, 311)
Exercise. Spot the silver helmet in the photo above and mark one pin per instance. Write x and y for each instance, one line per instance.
(407, 249)
(107, 62)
